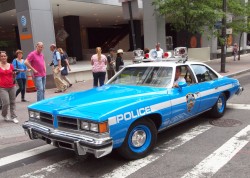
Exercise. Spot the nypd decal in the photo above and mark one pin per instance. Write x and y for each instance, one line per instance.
(190, 101)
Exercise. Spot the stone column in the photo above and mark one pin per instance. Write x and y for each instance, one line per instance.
(73, 41)
(137, 30)
(35, 23)
(153, 26)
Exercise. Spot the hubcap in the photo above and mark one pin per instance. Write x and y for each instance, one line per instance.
(219, 104)
(138, 138)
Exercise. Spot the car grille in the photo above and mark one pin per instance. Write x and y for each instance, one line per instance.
(46, 118)
(68, 123)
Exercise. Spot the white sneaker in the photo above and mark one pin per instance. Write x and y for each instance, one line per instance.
(6, 118)
(15, 120)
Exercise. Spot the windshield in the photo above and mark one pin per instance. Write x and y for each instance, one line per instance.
(144, 76)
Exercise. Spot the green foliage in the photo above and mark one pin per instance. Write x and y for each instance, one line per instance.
(241, 13)
(190, 15)
(196, 15)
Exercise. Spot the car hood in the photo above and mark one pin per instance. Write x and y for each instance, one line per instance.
(97, 102)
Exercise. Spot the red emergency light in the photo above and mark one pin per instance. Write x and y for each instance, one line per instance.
(166, 54)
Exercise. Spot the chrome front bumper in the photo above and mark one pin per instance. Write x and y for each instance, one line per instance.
(239, 91)
(81, 144)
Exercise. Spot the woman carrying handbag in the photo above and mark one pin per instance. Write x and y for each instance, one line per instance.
(65, 66)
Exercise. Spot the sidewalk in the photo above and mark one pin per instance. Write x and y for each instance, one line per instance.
(232, 67)
(11, 133)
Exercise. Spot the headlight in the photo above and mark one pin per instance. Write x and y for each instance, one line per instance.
(84, 125)
(34, 114)
(31, 114)
(94, 127)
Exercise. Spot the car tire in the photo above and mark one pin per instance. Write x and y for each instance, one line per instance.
(140, 140)
(218, 109)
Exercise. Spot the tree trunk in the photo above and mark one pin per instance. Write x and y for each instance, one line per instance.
(239, 45)
(224, 35)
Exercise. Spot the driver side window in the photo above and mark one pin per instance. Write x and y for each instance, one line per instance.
(187, 74)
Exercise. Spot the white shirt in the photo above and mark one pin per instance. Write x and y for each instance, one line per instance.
(159, 53)
(180, 79)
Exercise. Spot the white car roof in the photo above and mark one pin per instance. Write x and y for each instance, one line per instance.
(163, 64)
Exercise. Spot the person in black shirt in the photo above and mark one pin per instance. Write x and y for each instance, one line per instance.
(119, 61)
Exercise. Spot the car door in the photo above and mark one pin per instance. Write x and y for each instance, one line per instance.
(185, 101)
(207, 84)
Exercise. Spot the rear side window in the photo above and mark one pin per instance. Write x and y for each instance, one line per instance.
(203, 73)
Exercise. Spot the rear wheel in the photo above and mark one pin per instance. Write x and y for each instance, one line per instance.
(218, 109)
(140, 140)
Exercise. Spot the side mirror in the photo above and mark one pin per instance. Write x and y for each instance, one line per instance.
(182, 84)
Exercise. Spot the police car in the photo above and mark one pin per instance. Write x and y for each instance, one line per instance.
(130, 110)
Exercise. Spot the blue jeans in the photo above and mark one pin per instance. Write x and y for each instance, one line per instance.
(21, 83)
(40, 86)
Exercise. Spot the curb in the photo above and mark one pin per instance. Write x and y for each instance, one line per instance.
(238, 73)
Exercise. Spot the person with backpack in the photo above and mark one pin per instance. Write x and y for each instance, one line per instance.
(57, 66)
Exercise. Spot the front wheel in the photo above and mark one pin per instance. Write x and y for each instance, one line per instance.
(218, 109)
(140, 140)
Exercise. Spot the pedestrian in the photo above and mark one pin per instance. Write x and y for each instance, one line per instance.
(56, 59)
(21, 68)
(7, 88)
(35, 61)
(119, 61)
(178, 78)
(99, 63)
(159, 51)
(111, 63)
(146, 53)
(235, 51)
(65, 65)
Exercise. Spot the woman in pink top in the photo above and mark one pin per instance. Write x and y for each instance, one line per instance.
(98, 62)
(7, 88)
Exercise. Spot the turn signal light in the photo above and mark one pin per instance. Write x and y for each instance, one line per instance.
(103, 127)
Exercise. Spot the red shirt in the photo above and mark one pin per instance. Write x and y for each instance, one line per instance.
(6, 77)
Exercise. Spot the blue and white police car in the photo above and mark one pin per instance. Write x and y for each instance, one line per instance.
(130, 110)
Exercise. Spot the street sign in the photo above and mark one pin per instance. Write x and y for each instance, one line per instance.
(229, 31)
(229, 18)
